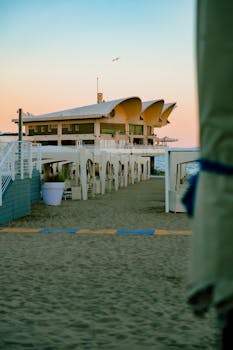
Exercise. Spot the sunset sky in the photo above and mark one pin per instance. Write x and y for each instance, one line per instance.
(53, 50)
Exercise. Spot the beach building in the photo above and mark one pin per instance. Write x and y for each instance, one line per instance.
(121, 122)
(86, 173)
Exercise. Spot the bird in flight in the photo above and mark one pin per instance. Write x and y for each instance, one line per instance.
(115, 59)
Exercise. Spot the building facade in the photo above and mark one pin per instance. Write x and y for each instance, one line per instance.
(123, 121)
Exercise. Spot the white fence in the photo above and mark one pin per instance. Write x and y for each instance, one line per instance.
(17, 158)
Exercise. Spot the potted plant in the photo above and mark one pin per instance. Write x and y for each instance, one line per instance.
(52, 188)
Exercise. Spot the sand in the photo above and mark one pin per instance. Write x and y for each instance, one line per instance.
(70, 291)
(139, 206)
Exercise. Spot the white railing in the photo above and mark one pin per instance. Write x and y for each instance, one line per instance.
(7, 172)
(3, 149)
(116, 146)
(17, 158)
(36, 156)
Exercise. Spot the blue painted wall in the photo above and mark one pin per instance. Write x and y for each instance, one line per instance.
(35, 186)
(19, 196)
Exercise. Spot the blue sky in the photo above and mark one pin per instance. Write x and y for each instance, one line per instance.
(53, 50)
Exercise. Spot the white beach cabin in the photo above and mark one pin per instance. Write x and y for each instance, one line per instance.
(176, 160)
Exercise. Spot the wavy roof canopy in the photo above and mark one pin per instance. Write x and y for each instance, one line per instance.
(151, 111)
(167, 109)
(154, 112)
(132, 108)
(98, 110)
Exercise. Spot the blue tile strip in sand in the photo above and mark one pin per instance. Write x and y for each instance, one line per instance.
(135, 232)
(59, 230)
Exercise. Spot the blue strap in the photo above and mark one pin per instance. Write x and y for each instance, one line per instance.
(189, 196)
(215, 167)
(205, 165)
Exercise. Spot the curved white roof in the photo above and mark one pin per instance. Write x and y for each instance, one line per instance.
(151, 111)
(154, 112)
(167, 106)
(167, 109)
(147, 104)
(98, 110)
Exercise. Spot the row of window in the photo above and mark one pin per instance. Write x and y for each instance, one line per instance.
(78, 128)
(88, 128)
(42, 130)
(112, 128)
(66, 129)
(66, 143)
(136, 141)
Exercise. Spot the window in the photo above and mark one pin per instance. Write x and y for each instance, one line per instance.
(110, 128)
(68, 143)
(52, 130)
(48, 143)
(138, 141)
(42, 129)
(88, 142)
(150, 141)
(87, 128)
(31, 131)
(135, 129)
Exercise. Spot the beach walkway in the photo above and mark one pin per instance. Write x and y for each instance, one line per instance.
(136, 207)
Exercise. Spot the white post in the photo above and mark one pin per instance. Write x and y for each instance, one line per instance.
(103, 162)
(77, 174)
(30, 165)
(93, 179)
(125, 172)
(39, 151)
(116, 169)
(148, 168)
(139, 169)
(83, 173)
(21, 160)
(13, 165)
(167, 178)
(132, 168)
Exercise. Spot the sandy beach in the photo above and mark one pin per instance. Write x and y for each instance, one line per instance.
(71, 291)
(139, 206)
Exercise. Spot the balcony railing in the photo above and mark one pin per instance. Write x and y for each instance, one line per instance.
(17, 159)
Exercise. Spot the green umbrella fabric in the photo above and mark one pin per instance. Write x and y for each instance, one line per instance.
(211, 268)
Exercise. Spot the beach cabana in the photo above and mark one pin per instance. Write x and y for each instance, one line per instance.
(98, 171)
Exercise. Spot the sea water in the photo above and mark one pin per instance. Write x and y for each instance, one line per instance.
(191, 168)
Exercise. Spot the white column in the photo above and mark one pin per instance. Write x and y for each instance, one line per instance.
(116, 170)
(102, 166)
(126, 171)
(132, 168)
(83, 173)
(59, 133)
(97, 132)
(30, 159)
(139, 169)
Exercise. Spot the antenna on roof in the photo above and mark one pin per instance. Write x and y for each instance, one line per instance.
(97, 85)
(100, 96)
